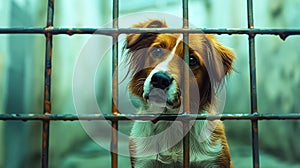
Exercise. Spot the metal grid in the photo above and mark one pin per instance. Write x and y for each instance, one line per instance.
(46, 118)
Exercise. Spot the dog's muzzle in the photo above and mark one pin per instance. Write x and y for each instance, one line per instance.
(163, 90)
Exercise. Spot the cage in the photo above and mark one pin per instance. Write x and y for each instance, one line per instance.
(47, 117)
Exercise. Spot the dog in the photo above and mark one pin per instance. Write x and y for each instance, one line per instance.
(156, 86)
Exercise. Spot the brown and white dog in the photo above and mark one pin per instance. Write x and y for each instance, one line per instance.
(156, 62)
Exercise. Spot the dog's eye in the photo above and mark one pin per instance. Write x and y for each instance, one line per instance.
(157, 52)
(193, 61)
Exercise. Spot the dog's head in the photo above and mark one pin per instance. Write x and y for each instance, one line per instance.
(157, 64)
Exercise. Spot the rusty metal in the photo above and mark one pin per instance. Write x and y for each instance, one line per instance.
(185, 13)
(127, 116)
(186, 90)
(282, 33)
(47, 84)
(45, 143)
(186, 144)
(253, 90)
(114, 144)
(115, 75)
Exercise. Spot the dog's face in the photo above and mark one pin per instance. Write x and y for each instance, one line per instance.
(159, 71)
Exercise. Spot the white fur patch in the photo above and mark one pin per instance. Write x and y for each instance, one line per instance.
(150, 146)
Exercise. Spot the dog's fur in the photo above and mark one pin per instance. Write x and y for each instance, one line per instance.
(157, 67)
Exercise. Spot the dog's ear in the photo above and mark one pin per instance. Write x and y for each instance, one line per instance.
(133, 39)
(220, 58)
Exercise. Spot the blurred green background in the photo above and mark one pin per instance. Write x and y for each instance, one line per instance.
(22, 72)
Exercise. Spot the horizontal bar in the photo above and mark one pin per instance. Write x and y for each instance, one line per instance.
(72, 117)
(112, 31)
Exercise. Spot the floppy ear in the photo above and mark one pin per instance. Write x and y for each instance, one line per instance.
(133, 39)
(220, 59)
(227, 56)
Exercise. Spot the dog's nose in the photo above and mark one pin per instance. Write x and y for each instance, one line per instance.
(161, 80)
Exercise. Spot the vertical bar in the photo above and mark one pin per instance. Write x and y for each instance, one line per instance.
(185, 25)
(114, 144)
(115, 56)
(47, 85)
(185, 13)
(45, 143)
(255, 147)
(186, 144)
(114, 141)
(186, 99)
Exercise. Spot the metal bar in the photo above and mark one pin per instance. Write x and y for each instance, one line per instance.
(115, 13)
(255, 143)
(75, 117)
(186, 100)
(114, 140)
(253, 90)
(186, 144)
(185, 79)
(47, 85)
(115, 57)
(45, 143)
(114, 144)
(283, 33)
(185, 13)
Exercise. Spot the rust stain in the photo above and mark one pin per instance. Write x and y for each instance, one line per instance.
(283, 36)
(47, 105)
(46, 91)
(48, 32)
(79, 31)
(115, 110)
(50, 50)
(48, 36)
(49, 72)
(70, 32)
(45, 135)
(252, 35)
(49, 28)
(255, 129)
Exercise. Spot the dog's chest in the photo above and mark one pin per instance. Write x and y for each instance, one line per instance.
(163, 142)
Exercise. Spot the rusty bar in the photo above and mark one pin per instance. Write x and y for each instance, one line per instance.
(185, 79)
(115, 57)
(250, 18)
(45, 143)
(255, 147)
(282, 33)
(47, 84)
(185, 13)
(114, 144)
(186, 101)
(253, 90)
(115, 13)
(186, 144)
(76, 117)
